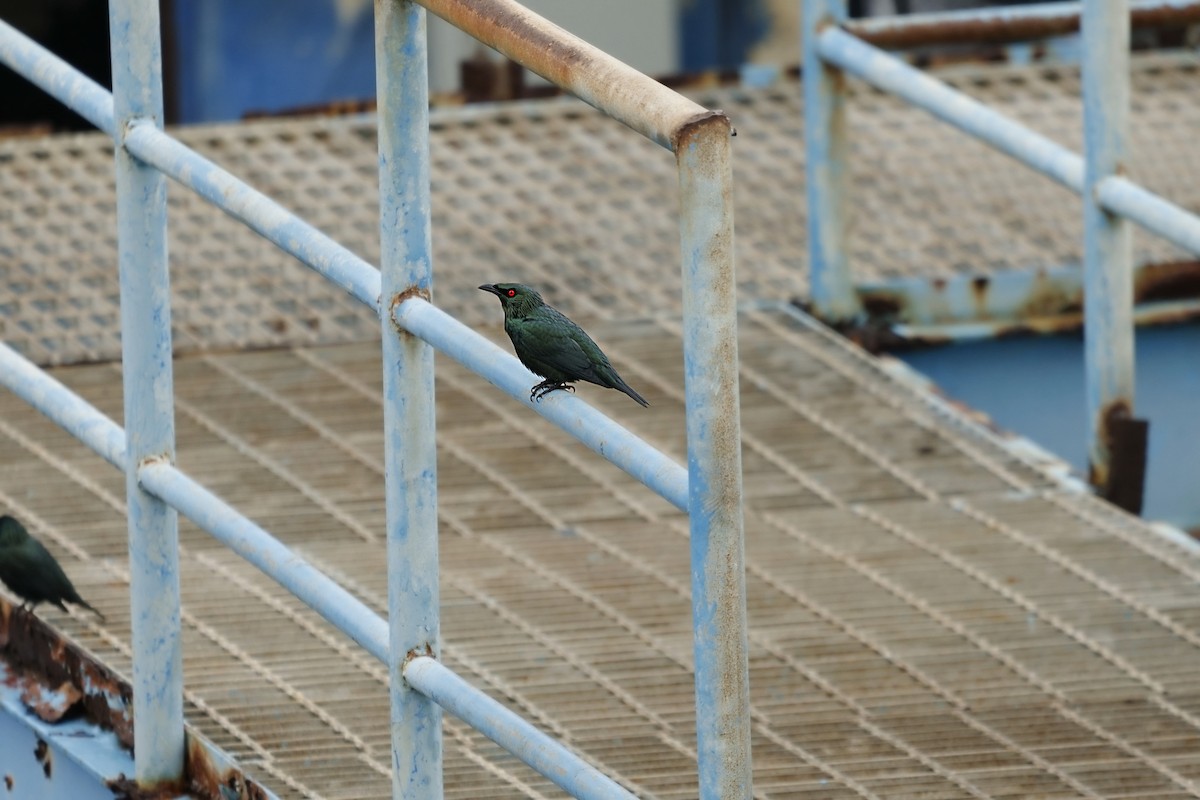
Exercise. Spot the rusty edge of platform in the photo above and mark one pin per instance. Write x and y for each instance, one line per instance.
(54, 681)
(1027, 451)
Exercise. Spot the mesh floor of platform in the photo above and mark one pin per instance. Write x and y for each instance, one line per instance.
(555, 194)
(929, 616)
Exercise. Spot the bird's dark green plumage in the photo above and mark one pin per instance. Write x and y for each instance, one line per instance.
(28, 569)
(551, 345)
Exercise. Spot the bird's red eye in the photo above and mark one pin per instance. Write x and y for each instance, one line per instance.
(511, 293)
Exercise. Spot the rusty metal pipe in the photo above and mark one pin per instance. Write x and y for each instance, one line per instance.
(1007, 24)
(570, 63)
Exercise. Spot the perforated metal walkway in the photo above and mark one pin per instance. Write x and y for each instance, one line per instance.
(555, 194)
(930, 616)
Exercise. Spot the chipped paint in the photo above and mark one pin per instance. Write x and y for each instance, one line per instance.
(56, 677)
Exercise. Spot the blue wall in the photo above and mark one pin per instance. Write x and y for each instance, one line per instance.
(1034, 386)
(236, 56)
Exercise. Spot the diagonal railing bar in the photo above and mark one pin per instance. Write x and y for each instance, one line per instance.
(291, 571)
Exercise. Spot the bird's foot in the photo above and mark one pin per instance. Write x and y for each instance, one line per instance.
(545, 387)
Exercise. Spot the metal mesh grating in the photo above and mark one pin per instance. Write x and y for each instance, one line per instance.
(930, 618)
(557, 195)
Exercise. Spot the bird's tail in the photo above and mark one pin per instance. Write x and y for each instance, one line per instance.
(624, 387)
(79, 601)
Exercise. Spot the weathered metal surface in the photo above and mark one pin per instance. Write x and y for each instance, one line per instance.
(1042, 301)
(49, 667)
(69, 758)
(550, 758)
(574, 415)
(827, 179)
(1107, 238)
(1007, 24)
(148, 388)
(409, 424)
(587, 72)
(704, 155)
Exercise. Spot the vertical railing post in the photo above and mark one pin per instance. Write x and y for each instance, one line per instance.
(149, 404)
(827, 178)
(703, 151)
(1108, 277)
(410, 450)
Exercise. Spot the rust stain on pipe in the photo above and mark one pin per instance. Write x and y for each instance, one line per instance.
(905, 34)
(564, 59)
(49, 665)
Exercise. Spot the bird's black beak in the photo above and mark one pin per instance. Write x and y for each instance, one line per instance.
(492, 289)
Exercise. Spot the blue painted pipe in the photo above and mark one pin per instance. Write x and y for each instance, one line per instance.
(567, 770)
(1122, 196)
(324, 595)
(56, 78)
(62, 406)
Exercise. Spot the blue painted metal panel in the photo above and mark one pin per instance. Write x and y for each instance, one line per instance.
(235, 57)
(995, 376)
(719, 34)
(409, 426)
(149, 404)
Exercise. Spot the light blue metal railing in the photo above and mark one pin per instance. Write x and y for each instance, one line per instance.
(1110, 200)
(412, 328)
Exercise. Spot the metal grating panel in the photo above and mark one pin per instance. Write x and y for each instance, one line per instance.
(557, 195)
(930, 618)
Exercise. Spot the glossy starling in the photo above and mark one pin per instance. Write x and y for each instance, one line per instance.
(28, 569)
(551, 345)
